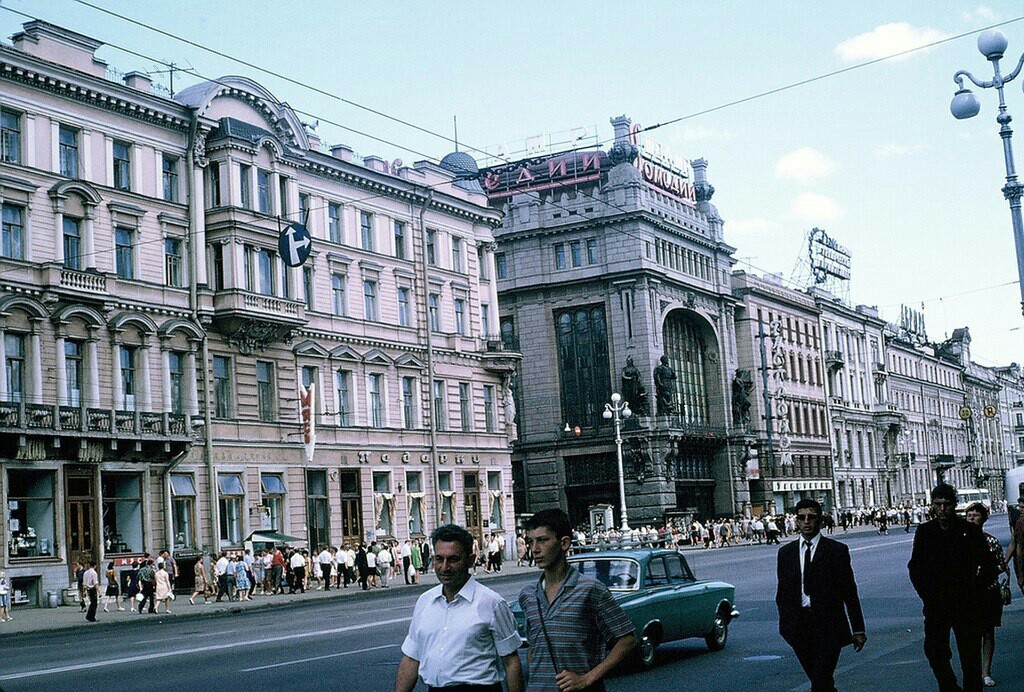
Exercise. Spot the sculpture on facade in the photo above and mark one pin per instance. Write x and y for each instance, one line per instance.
(742, 388)
(511, 428)
(664, 386)
(633, 390)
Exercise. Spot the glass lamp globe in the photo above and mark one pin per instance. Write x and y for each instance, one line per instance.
(964, 105)
(992, 44)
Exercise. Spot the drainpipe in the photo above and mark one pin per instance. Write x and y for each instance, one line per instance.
(422, 235)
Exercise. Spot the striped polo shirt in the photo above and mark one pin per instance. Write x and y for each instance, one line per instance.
(579, 624)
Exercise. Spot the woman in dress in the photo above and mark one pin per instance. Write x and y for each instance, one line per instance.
(977, 513)
(5, 597)
(163, 589)
(133, 585)
(202, 585)
(242, 582)
(113, 590)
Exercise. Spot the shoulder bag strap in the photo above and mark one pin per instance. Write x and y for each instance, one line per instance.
(547, 640)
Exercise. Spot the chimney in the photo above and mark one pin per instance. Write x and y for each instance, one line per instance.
(140, 81)
(342, 151)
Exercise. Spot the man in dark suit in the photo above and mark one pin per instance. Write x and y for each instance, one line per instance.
(951, 568)
(817, 599)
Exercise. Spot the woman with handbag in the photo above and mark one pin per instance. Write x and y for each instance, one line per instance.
(202, 584)
(133, 586)
(113, 590)
(977, 513)
(164, 594)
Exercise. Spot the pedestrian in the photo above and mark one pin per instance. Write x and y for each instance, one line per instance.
(406, 562)
(325, 558)
(133, 586)
(164, 593)
(298, 565)
(242, 581)
(570, 618)
(147, 585)
(951, 569)
(371, 564)
(415, 563)
(257, 569)
(220, 572)
(424, 554)
(1015, 550)
(347, 563)
(819, 609)
(202, 583)
(462, 635)
(249, 561)
(363, 566)
(520, 548)
(79, 572)
(384, 562)
(113, 589)
(977, 513)
(277, 563)
(5, 597)
(91, 586)
(171, 565)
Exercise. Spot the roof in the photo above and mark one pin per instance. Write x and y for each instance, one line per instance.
(632, 554)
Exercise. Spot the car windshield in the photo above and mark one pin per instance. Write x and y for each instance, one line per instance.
(618, 574)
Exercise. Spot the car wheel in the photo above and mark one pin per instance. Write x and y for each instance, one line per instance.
(647, 650)
(719, 633)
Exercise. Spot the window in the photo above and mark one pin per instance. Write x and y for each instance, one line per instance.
(68, 145)
(444, 484)
(122, 512)
(73, 372)
(583, 364)
(494, 490)
(576, 253)
(375, 386)
(485, 320)
(465, 407)
(282, 194)
(338, 294)
(218, 266)
(414, 484)
(334, 222)
(434, 308)
(12, 232)
(30, 514)
(72, 243)
(183, 511)
(222, 387)
(265, 389)
(128, 380)
(214, 168)
(14, 350)
(308, 376)
(404, 315)
(245, 185)
(286, 280)
(10, 136)
(439, 413)
(370, 300)
(231, 496)
(273, 489)
(366, 231)
(460, 316)
(408, 404)
(173, 262)
(176, 367)
(400, 252)
(304, 209)
(265, 271)
(560, 256)
(263, 191)
(124, 240)
(122, 166)
(489, 408)
(500, 267)
(456, 254)
(317, 513)
(307, 286)
(591, 251)
(343, 385)
(384, 508)
(431, 247)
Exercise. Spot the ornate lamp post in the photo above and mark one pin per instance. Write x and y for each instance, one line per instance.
(992, 44)
(617, 410)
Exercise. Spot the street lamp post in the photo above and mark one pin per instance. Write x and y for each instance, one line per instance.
(992, 44)
(617, 410)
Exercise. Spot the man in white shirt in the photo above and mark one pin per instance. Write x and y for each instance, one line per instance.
(462, 633)
(371, 564)
(298, 565)
(220, 570)
(325, 567)
(347, 564)
(91, 586)
(384, 560)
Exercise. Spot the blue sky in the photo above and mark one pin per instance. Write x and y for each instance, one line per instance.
(871, 155)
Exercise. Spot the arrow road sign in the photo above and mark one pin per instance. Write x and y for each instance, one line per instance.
(294, 244)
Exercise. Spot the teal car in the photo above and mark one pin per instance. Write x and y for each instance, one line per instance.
(660, 594)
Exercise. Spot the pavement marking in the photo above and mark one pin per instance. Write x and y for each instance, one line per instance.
(192, 651)
(318, 658)
(763, 657)
(877, 545)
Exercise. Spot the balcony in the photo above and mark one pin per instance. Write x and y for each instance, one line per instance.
(499, 361)
(888, 415)
(252, 321)
(834, 360)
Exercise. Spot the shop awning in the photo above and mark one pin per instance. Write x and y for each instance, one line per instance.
(272, 537)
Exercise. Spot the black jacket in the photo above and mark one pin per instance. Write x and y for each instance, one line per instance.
(835, 605)
(951, 568)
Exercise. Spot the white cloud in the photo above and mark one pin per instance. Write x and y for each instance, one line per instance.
(804, 164)
(886, 40)
(750, 226)
(815, 208)
(981, 13)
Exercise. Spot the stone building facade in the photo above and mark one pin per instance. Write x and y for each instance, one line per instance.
(155, 344)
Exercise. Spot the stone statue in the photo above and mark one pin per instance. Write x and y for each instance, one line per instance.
(633, 388)
(511, 428)
(664, 386)
(742, 388)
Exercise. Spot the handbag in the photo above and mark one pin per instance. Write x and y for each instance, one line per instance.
(139, 597)
(171, 595)
(1004, 588)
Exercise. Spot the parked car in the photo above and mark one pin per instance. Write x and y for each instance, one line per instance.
(662, 597)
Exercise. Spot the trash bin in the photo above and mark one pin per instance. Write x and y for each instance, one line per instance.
(71, 596)
(52, 599)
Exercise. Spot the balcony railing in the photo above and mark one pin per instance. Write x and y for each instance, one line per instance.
(86, 421)
(834, 359)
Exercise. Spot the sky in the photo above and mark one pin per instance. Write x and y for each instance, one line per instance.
(871, 155)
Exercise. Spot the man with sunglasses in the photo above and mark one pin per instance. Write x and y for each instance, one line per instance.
(819, 609)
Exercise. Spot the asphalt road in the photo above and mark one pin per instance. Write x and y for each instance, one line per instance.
(354, 643)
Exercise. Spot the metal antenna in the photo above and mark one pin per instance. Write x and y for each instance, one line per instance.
(455, 120)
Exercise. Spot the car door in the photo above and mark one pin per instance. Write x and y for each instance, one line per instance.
(659, 603)
(693, 612)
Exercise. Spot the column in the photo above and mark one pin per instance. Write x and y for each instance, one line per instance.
(492, 290)
(92, 369)
(197, 242)
(237, 264)
(55, 146)
(89, 240)
(191, 392)
(85, 156)
(117, 390)
(145, 385)
(62, 373)
(35, 394)
(233, 181)
(30, 233)
(30, 139)
(275, 193)
(165, 375)
(58, 230)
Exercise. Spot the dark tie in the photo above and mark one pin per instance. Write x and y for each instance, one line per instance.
(807, 567)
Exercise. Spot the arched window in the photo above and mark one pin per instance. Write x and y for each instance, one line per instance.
(583, 364)
(685, 349)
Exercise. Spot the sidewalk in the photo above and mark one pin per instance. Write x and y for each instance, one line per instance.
(28, 620)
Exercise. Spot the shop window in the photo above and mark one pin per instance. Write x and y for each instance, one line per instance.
(383, 502)
(273, 501)
(122, 512)
(414, 485)
(232, 496)
(183, 511)
(30, 512)
(444, 485)
(317, 515)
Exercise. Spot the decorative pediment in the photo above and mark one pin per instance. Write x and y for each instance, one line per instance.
(345, 353)
(407, 360)
(376, 357)
(311, 349)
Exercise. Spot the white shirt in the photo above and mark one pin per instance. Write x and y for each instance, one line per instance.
(221, 567)
(461, 642)
(805, 600)
(350, 557)
(371, 559)
(325, 557)
(297, 560)
(384, 557)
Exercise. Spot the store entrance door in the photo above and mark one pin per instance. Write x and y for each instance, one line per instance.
(81, 520)
(471, 493)
(351, 508)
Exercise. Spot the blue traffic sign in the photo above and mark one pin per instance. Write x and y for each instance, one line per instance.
(294, 244)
